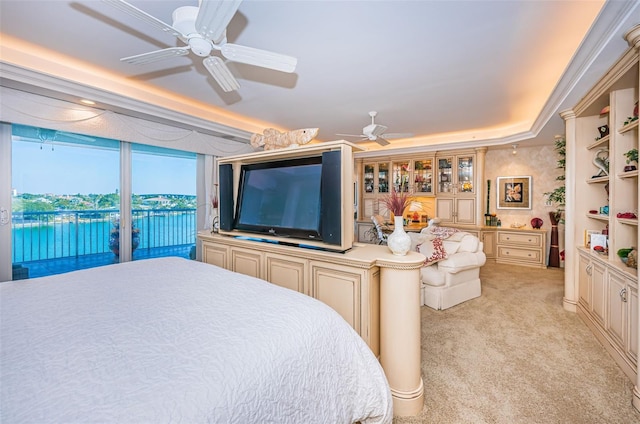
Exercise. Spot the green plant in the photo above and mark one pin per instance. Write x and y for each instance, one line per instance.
(623, 253)
(632, 156)
(557, 196)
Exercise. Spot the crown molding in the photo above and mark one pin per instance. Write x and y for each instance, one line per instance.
(35, 82)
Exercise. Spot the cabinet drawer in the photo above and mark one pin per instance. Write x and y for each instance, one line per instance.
(520, 239)
(529, 255)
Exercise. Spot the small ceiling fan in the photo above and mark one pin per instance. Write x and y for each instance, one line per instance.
(46, 135)
(375, 132)
(204, 29)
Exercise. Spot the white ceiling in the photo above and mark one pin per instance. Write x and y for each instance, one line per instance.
(487, 72)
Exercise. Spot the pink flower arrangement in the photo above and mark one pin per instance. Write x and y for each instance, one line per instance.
(397, 202)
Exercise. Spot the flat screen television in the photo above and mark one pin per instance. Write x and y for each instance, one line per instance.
(296, 200)
(282, 199)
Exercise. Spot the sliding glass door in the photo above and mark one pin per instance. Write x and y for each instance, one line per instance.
(70, 197)
(64, 198)
(163, 202)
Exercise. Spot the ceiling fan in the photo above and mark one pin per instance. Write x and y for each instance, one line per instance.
(375, 132)
(204, 29)
(46, 135)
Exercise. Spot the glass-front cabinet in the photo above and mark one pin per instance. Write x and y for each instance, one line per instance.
(456, 174)
(401, 177)
(445, 175)
(465, 174)
(423, 177)
(375, 178)
(456, 200)
(408, 175)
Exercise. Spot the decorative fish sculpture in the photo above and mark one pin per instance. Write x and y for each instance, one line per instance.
(274, 139)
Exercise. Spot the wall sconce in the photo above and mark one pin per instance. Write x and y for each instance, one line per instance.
(514, 151)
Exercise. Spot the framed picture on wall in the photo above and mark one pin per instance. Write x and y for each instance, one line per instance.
(514, 192)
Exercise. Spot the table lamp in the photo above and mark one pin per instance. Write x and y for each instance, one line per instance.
(415, 207)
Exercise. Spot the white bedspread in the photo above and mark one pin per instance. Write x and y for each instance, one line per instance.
(175, 341)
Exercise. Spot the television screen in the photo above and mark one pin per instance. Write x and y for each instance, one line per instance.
(281, 198)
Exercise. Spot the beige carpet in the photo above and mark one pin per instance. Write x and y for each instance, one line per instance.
(514, 355)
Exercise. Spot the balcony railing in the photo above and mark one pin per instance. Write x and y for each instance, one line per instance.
(64, 234)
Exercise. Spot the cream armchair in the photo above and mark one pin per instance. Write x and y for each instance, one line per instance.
(451, 274)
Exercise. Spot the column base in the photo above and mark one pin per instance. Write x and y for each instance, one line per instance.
(569, 305)
(408, 403)
(635, 402)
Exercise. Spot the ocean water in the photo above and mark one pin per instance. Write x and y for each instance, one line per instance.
(67, 238)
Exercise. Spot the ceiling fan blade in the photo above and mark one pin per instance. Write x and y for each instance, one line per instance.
(381, 141)
(398, 135)
(353, 135)
(156, 55)
(257, 57)
(221, 73)
(144, 16)
(214, 16)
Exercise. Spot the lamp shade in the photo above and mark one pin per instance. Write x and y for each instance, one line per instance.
(415, 207)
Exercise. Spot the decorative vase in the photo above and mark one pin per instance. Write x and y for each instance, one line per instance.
(554, 252)
(399, 241)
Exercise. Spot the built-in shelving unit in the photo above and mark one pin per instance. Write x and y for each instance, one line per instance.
(600, 129)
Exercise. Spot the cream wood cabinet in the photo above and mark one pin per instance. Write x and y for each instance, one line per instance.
(524, 247)
(453, 210)
(351, 290)
(412, 174)
(608, 303)
(603, 193)
(376, 292)
(489, 243)
(456, 189)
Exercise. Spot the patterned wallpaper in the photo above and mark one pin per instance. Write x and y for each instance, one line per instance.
(539, 162)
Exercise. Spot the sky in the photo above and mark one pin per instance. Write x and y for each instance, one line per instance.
(80, 170)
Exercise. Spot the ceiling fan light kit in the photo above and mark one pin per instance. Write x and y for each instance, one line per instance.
(204, 29)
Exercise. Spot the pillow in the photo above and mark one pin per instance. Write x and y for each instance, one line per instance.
(433, 250)
(469, 243)
(451, 246)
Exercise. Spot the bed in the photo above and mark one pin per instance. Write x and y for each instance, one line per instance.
(170, 340)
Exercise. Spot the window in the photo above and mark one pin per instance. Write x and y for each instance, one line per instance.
(163, 202)
(65, 207)
(64, 195)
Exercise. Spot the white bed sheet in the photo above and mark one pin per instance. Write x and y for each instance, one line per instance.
(175, 341)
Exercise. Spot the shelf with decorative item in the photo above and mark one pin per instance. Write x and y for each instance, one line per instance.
(596, 180)
(632, 157)
(598, 216)
(599, 142)
(629, 126)
(628, 221)
(628, 174)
